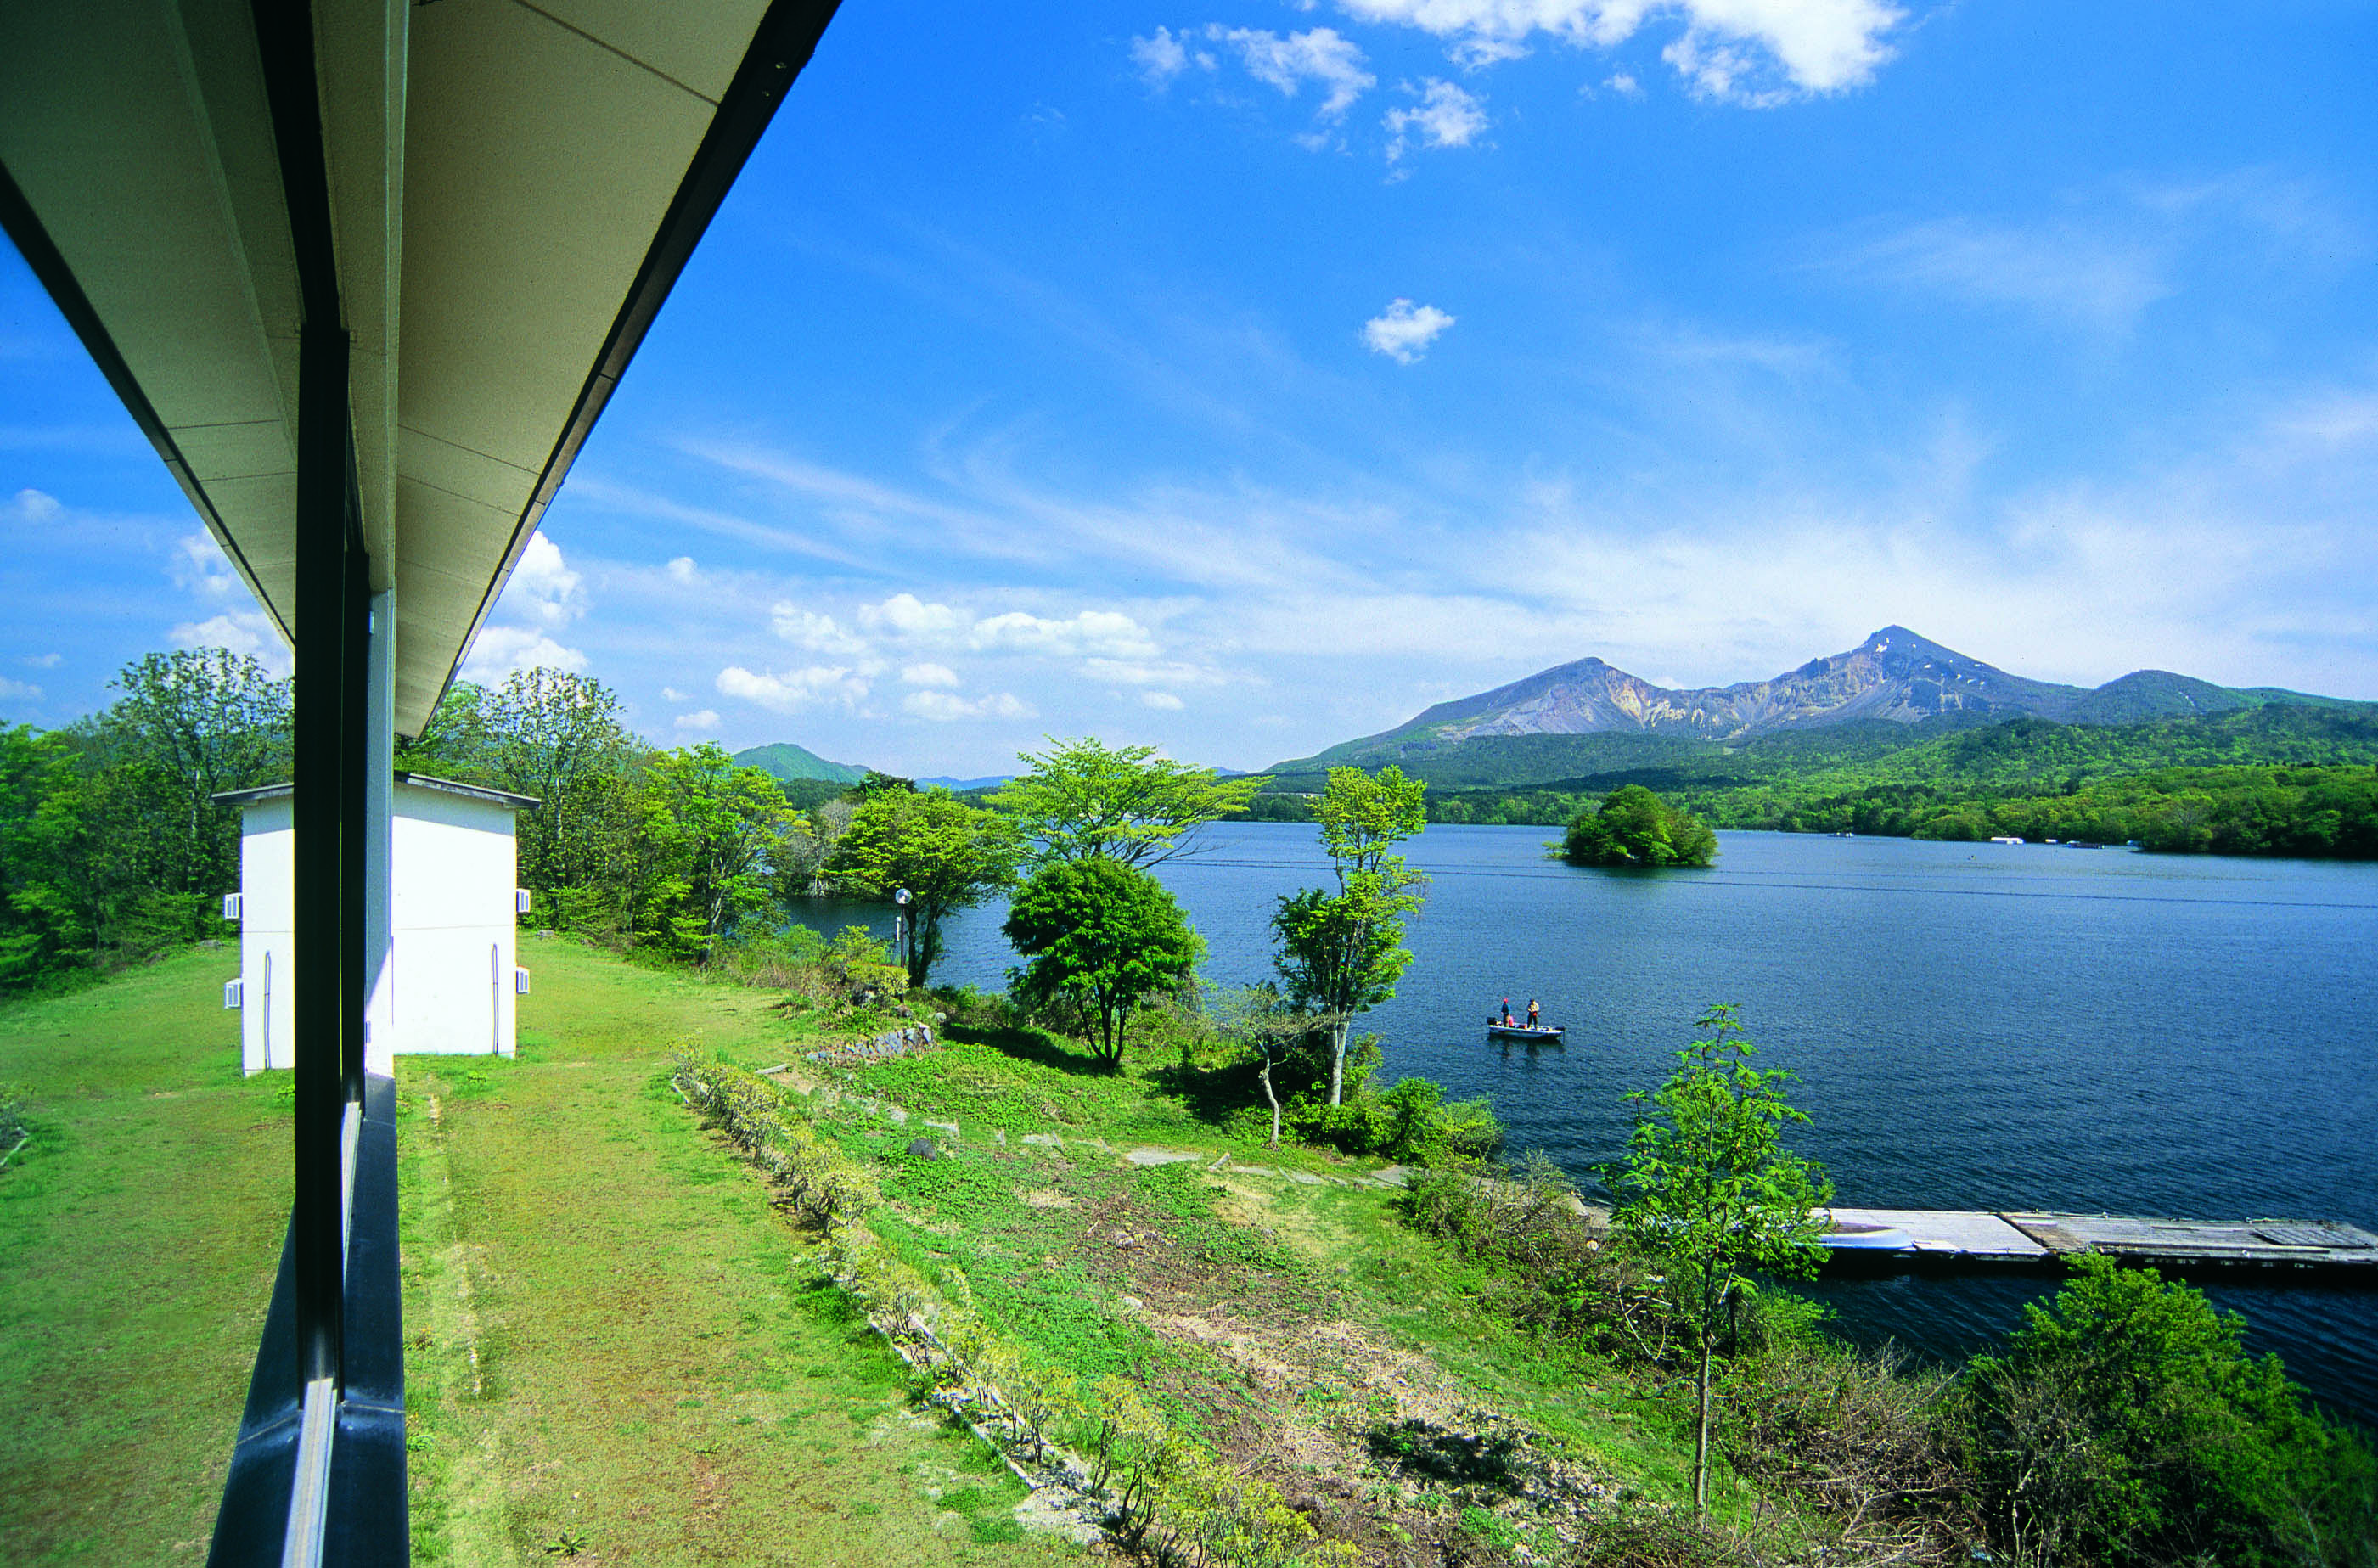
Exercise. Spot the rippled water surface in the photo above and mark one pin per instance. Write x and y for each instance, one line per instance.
(1974, 1027)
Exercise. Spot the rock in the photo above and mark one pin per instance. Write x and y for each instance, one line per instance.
(924, 1148)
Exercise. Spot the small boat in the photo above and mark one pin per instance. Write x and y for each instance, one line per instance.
(1540, 1035)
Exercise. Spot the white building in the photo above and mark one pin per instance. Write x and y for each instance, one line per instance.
(449, 979)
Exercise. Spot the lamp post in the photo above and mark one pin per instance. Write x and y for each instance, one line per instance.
(900, 924)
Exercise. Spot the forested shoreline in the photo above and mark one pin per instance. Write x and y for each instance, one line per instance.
(2272, 782)
(112, 846)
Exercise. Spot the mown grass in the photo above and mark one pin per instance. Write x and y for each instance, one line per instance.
(617, 1347)
(619, 1352)
(140, 1230)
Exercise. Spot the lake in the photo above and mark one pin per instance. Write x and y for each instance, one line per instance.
(1974, 1026)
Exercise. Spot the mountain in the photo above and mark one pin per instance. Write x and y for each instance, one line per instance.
(959, 786)
(1876, 694)
(786, 762)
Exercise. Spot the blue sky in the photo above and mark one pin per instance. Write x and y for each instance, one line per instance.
(1242, 378)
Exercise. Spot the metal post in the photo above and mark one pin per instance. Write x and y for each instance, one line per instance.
(355, 760)
(317, 1222)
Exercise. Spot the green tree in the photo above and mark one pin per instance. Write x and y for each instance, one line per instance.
(2126, 1423)
(1103, 936)
(1708, 1185)
(724, 825)
(454, 743)
(188, 726)
(1635, 827)
(947, 855)
(43, 926)
(1258, 1019)
(556, 737)
(1083, 798)
(1341, 954)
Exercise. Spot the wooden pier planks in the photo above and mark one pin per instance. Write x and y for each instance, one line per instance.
(2039, 1237)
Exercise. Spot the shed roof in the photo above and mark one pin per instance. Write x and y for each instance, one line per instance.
(260, 793)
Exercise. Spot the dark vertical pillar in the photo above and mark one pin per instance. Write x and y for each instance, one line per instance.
(355, 754)
(317, 1222)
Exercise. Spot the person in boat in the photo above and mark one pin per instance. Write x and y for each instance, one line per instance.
(1508, 1020)
(1535, 1015)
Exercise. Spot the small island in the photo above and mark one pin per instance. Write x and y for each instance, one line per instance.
(1634, 827)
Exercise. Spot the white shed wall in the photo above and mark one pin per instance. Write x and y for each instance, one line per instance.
(447, 986)
(268, 883)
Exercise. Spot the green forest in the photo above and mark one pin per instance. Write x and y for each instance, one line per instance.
(2285, 780)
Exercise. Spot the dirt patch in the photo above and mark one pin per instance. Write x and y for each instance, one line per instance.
(1376, 1445)
(1045, 1198)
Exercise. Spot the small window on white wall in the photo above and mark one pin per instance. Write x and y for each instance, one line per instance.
(230, 911)
(519, 982)
(234, 992)
(520, 900)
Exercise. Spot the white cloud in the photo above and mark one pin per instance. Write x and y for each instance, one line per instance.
(819, 634)
(45, 661)
(671, 694)
(199, 566)
(18, 690)
(1624, 85)
(240, 631)
(905, 616)
(2062, 270)
(929, 674)
(707, 719)
(1164, 56)
(1164, 701)
(1103, 633)
(1756, 53)
(1403, 332)
(543, 587)
(33, 507)
(682, 569)
(944, 707)
(1445, 116)
(1323, 57)
(500, 651)
(789, 691)
(1132, 672)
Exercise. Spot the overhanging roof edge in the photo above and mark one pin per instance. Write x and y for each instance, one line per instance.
(781, 47)
(50, 269)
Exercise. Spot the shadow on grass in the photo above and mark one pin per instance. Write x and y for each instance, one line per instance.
(1209, 1092)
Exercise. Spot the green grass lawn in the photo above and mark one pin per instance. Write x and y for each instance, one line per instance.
(616, 1345)
(619, 1351)
(140, 1230)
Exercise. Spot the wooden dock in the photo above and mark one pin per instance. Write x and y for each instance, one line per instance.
(1895, 1238)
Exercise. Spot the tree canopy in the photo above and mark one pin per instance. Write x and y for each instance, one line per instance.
(946, 853)
(1104, 937)
(1084, 799)
(1635, 827)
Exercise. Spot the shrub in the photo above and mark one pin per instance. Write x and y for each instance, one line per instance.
(1412, 1122)
(2126, 1423)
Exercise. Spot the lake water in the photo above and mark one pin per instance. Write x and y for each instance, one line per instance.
(1973, 1027)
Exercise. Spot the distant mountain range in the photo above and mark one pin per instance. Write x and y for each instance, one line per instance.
(788, 762)
(1893, 678)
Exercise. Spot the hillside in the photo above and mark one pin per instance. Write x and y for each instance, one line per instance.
(1896, 689)
(785, 761)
